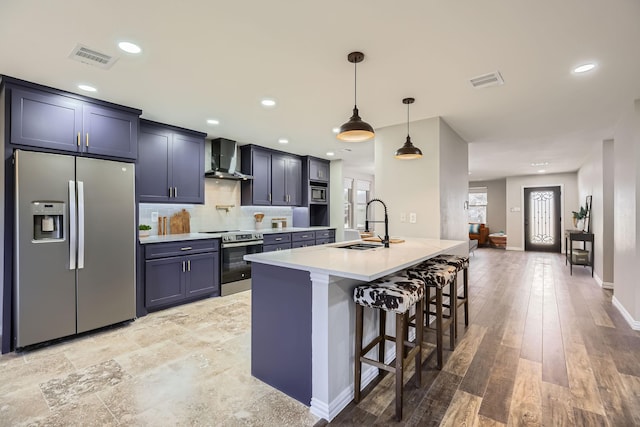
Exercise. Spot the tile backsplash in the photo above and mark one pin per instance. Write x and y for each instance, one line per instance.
(208, 217)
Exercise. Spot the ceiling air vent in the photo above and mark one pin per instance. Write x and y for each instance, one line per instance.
(486, 80)
(92, 57)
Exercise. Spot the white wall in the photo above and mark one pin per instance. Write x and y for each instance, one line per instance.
(336, 172)
(409, 185)
(454, 184)
(626, 192)
(515, 203)
(2, 133)
(433, 187)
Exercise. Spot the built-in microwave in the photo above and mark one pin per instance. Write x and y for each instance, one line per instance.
(318, 194)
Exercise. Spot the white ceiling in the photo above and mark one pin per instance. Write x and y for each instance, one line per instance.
(217, 59)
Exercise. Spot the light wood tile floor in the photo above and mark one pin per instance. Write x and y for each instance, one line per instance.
(542, 348)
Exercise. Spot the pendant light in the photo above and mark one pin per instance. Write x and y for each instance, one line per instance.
(355, 130)
(408, 150)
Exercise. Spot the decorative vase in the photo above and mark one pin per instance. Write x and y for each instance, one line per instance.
(144, 233)
(575, 222)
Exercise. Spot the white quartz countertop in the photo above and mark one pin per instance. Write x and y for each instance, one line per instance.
(365, 265)
(179, 237)
(200, 236)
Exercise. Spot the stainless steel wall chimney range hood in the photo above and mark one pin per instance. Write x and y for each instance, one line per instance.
(224, 155)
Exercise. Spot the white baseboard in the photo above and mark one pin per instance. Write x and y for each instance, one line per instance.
(602, 283)
(635, 324)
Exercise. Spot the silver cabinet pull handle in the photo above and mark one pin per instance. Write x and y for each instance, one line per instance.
(175, 191)
(186, 248)
(170, 192)
(189, 265)
(87, 141)
(277, 239)
(78, 139)
(269, 196)
(183, 267)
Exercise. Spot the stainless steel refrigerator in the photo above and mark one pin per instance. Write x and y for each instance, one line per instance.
(75, 240)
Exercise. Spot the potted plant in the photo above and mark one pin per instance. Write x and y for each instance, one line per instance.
(578, 216)
(143, 230)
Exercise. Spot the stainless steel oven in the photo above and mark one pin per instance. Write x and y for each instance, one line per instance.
(235, 246)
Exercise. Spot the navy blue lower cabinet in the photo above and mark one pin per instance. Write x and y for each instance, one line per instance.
(164, 281)
(179, 272)
(281, 329)
(201, 278)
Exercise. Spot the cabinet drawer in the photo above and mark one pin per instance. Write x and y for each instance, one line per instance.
(303, 235)
(303, 244)
(325, 241)
(276, 247)
(184, 247)
(324, 234)
(270, 239)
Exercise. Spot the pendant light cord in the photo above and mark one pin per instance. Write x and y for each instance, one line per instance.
(408, 119)
(355, 84)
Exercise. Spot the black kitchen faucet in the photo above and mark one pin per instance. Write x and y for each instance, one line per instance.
(386, 221)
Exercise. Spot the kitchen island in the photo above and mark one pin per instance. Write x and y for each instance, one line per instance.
(302, 315)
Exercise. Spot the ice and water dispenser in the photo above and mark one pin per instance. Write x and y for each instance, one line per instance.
(48, 221)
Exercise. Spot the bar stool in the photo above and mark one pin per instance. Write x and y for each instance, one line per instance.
(437, 276)
(461, 263)
(395, 293)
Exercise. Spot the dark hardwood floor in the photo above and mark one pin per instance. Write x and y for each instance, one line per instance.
(542, 348)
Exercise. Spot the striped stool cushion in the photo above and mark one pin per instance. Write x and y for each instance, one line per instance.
(395, 293)
(459, 262)
(434, 274)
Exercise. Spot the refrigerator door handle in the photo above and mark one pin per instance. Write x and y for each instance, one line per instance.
(72, 225)
(80, 224)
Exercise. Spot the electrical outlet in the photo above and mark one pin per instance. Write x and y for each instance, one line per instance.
(412, 218)
(403, 217)
(154, 217)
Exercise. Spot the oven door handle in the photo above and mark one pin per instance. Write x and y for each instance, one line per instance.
(241, 244)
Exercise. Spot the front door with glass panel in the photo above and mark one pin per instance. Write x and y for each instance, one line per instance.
(542, 219)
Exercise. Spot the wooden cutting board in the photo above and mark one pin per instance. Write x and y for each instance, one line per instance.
(180, 222)
(377, 239)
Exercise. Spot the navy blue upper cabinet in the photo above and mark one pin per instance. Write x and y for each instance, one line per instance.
(67, 122)
(277, 177)
(318, 170)
(110, 132)
(170, 165)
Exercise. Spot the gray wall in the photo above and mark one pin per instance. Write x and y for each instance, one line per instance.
(496, 203)
(608, 186)
(626, 238)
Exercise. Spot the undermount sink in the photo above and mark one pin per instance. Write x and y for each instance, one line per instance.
(360, 246)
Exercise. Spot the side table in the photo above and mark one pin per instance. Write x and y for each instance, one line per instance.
(577, 236)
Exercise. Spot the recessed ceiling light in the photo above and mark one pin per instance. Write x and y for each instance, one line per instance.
(330, 153)
(130, 47)
(87, 88)
(540, 164)
(213, 122)
(268, 102)
(541, 170)
(584, 68)
(336, 130)
(283, 141)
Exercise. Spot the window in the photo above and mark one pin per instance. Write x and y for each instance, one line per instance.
(478, 205)
(355, 197)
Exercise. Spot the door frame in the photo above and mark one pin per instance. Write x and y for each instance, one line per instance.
(562, 215)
